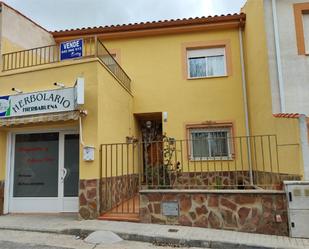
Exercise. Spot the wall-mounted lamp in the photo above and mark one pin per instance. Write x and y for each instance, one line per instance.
(16, 90)
(59, 85)
(148, 124)
(165, 115)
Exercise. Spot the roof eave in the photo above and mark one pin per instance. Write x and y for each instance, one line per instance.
(156, 28)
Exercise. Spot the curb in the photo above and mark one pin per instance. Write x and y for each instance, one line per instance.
(165, 241)
(157, 240)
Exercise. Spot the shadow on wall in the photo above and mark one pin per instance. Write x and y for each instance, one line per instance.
(1, 196)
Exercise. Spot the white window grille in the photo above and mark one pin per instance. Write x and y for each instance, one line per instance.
(211, 144)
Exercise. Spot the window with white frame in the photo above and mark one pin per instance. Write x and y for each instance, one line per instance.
(206, 62)
(210, 143)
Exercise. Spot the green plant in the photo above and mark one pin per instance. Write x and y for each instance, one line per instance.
(158, 176)
(163, 175)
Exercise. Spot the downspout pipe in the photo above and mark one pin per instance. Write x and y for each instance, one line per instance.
(278, 57)
(245, 99)
(304, 145)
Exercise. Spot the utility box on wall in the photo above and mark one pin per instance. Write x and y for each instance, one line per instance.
(298, 208)
(88, 153)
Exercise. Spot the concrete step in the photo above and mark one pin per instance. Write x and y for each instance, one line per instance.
(120, 217)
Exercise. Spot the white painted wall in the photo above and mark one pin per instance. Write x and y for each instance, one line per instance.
(21, 31)
(295, 68)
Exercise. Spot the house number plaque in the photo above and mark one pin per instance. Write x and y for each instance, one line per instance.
(170, 208)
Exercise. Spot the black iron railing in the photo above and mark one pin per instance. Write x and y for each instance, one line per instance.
(214, 162)
(109, 61)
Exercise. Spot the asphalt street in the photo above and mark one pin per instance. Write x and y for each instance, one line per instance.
(14, 245)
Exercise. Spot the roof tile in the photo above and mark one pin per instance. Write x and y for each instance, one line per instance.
(287, 115)
(158, 24)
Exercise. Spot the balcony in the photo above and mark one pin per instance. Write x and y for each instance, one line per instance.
(92, 48)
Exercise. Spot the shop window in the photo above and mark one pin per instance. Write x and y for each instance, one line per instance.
(207, 62)
(210, 143)
(301, 14)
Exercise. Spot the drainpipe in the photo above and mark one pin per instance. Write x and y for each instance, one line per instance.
(245, 99)
(278, 58)
(304, 145)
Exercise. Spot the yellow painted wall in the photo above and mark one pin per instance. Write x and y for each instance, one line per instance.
(259, 92)
(115, 122)
(108, 104)
(155, 65)
(114, 110)
(3, 148)
(43, 79)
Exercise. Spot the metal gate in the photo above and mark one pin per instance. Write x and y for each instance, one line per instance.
(125, 169)
(120, 178)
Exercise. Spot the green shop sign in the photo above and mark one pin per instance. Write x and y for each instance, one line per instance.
(58, 100)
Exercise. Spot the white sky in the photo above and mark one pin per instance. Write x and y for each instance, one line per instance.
(66, 14)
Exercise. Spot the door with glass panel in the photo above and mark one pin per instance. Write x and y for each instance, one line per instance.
(70, 175)
(44, 172)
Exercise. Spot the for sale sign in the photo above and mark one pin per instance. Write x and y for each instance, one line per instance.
(71, 49)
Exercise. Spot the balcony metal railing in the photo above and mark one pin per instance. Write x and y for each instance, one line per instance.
(92, 47)
(41, 55)
(108, 60)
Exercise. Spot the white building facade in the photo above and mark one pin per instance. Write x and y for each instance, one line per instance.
(287, 30)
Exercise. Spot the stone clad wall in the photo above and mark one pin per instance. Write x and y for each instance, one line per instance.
(231, 179)
(113, 191)
(117, 189)
(1, 196)
(89, 198)
(238, 210)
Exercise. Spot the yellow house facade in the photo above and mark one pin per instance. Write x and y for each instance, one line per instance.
(173, 104)
(277, 72)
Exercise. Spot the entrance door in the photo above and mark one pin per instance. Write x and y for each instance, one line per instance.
(44, 172)
(70, 175)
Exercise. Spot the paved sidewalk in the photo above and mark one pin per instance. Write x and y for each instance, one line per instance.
(187, 236)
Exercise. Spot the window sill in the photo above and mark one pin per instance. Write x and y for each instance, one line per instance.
(210, 77)
(223, 159)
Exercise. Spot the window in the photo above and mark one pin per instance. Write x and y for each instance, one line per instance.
(208, 62)
(301, 15)
(306, 31)
(210, 143)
